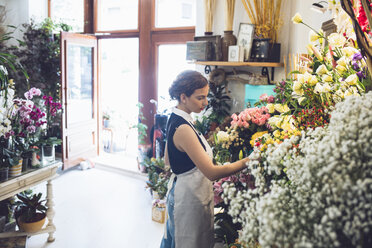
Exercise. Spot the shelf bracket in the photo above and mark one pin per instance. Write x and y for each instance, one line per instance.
(265, 72)
(208, 69)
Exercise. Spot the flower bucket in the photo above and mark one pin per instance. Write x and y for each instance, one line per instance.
(16, 170)
(48, 154)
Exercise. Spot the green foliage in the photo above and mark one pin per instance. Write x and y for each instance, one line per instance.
(225, 229)
(39, 53)
(158, 175)
(219, 102)
(29, 206)
(141, 127)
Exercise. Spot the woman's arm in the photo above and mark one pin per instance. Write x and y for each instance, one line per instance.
(186, 140)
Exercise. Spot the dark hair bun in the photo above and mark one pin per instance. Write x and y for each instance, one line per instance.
(187, 82)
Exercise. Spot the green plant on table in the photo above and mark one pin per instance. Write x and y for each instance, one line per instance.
(30, 207)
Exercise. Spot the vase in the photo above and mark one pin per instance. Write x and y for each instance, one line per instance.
(274, 53)
(48, 154)
(4, 173)
(227, 40)
(26, 160)
(260, 50)
(35, 161)
(32, 226)
(16, 170)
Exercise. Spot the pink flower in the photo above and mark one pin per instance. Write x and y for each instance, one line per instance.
(31, 129)
(263, 97)
(270, 99)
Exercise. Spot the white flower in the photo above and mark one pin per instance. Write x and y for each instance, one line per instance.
(336, 40)
(222, 137)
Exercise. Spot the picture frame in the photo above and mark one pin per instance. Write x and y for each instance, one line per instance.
(245, 38)
(215, 41)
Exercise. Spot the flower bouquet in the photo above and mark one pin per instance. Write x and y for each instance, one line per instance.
(235, 140)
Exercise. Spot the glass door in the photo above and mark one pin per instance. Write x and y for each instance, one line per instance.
(79, 98)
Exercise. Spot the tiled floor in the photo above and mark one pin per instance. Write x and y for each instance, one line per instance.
(97, 208)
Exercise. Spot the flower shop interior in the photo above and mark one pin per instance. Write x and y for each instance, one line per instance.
(82, 162)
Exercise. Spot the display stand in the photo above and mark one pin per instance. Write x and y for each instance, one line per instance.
(25, 181)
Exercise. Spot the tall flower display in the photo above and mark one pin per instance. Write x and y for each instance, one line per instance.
(307, 167)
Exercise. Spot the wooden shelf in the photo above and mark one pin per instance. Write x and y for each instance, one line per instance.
(253, 64)
(264, 65)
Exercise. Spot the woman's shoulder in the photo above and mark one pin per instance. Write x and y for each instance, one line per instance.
(176, 120)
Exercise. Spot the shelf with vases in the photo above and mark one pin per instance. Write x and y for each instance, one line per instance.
(264, 65)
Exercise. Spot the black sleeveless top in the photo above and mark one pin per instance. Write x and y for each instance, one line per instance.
(179, 161)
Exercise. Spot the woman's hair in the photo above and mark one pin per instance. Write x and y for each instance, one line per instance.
(187, 82)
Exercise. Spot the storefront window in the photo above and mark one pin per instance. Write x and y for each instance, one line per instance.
(70, 12)
(117, 15)
(175, 13)
(172, 60)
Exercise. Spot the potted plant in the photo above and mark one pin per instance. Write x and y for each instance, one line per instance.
(48, 140)
(30, 212)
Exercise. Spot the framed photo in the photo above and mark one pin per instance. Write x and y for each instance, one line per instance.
(245, 38)
(215, 41)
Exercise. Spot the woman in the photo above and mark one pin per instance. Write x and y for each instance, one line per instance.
(190, 192)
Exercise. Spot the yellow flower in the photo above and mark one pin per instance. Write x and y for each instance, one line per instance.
(153, 160)
(309, 50)
(340, 68)
(241, 154)
(11, 82)
(256, 136)
(313, 36)
(322, 69)
(313, 81)
(349, 51)
(327, 78)
(342, 61)
(296, 19)
(281, 108)
(276, 133)
(270, 107)
(297, 85)
(352, 79)
(301, 100)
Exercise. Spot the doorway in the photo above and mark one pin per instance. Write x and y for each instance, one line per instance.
(118, 102)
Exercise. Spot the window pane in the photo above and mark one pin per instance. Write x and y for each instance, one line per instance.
(79, 80)
(175, 13)
(172, 61)
(117, 15)
(119, 93)
(70, 12)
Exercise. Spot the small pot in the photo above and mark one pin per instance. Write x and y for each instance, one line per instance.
(4, 174)
(33, 226)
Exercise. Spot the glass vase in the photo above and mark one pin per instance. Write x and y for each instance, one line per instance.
(48, 154)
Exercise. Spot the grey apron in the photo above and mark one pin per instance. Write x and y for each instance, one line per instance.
(193, 208)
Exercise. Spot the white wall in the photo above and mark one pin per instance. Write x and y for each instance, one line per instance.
(20, 11)
(293, 38)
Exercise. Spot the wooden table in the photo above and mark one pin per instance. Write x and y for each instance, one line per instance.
(23, 182)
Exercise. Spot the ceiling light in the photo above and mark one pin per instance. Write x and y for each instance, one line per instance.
(318, 7)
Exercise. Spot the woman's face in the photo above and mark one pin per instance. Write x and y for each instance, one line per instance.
(197, 101)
